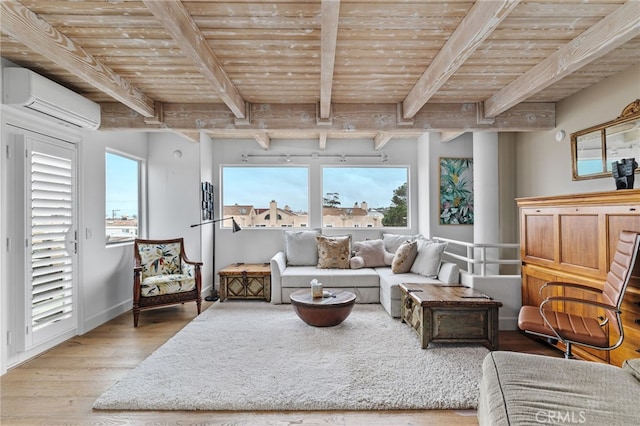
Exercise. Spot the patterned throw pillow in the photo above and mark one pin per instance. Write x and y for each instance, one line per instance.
(333, 252)
(404, 257)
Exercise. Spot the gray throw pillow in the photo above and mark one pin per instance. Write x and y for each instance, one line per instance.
(392, 241)
(429, 257)
(301, 247)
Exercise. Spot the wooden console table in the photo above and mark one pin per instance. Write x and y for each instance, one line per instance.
(245, 281)
(450, 313)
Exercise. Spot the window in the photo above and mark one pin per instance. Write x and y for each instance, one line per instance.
(370, 197)
(265, 196)
(122, 198)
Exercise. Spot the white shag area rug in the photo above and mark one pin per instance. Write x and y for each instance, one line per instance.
(240, 355)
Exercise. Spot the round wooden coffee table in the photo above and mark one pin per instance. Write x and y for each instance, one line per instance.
(323, 311)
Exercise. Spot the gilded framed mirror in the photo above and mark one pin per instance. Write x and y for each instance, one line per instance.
(594, 149)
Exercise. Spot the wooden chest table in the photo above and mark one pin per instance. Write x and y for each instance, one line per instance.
(450, 313)
(245, 281)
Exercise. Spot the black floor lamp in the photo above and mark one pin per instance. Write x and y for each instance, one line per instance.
(234, 228)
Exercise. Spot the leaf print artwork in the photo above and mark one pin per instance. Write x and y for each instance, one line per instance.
(456, 191)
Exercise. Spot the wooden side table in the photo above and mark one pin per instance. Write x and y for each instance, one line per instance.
(245, 281)
(450, 313)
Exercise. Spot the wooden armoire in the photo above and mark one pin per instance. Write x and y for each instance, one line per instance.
(572, 238)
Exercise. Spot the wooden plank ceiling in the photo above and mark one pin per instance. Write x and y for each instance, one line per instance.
(325, 69)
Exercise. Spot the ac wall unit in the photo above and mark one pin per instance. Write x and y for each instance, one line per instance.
(25, 88)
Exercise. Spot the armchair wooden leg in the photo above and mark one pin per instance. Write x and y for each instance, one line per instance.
(136, 314)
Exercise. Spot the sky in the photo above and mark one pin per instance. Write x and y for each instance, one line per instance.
(257, 186)
(122, 186)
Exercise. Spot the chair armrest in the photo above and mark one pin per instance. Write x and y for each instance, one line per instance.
(603, 321)
(190, 262)
(606, 306)
(278, 265)
(569, 285)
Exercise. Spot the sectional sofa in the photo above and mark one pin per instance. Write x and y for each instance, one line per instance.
(527, 389)
(371, 269)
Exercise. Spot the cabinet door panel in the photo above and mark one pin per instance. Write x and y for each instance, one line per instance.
(579, 245)
(539, 236)
(532, 281)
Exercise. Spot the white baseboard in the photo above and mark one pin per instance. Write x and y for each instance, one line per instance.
(106, 315)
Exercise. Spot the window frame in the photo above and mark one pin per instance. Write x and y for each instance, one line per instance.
(141, 204)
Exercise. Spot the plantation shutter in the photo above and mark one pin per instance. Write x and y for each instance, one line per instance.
(53, 240)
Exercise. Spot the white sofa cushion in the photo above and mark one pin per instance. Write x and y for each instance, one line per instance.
(301, 276)
(391, 280)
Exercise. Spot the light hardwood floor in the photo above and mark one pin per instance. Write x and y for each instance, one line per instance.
(60, 386)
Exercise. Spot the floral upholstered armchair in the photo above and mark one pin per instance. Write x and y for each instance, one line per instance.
(163, 275)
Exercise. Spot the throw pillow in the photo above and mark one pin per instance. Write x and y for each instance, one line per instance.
(373, 253)
(392, 241)
(356, 262)
(429, 256)
(404, 257)
(333, 252)
(301, 248)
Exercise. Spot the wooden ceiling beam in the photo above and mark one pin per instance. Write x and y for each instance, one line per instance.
(262, 138)
(381, 140)
(483, 18)
(322, 141)
(348, 121)
(185, 32)
(190, 136)
(611, 32)
(329, 37)
(449, 136)
(25, 26)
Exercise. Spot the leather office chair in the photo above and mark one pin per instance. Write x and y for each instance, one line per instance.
(163, 275)
(582, 330)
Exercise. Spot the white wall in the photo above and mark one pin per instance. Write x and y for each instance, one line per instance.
(544, 165)
(430, 150)
(107, 277)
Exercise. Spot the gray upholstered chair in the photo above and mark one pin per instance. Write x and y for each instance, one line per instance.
(586, 330)
(163, 275)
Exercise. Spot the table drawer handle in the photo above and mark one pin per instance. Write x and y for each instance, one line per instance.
(637, 320)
